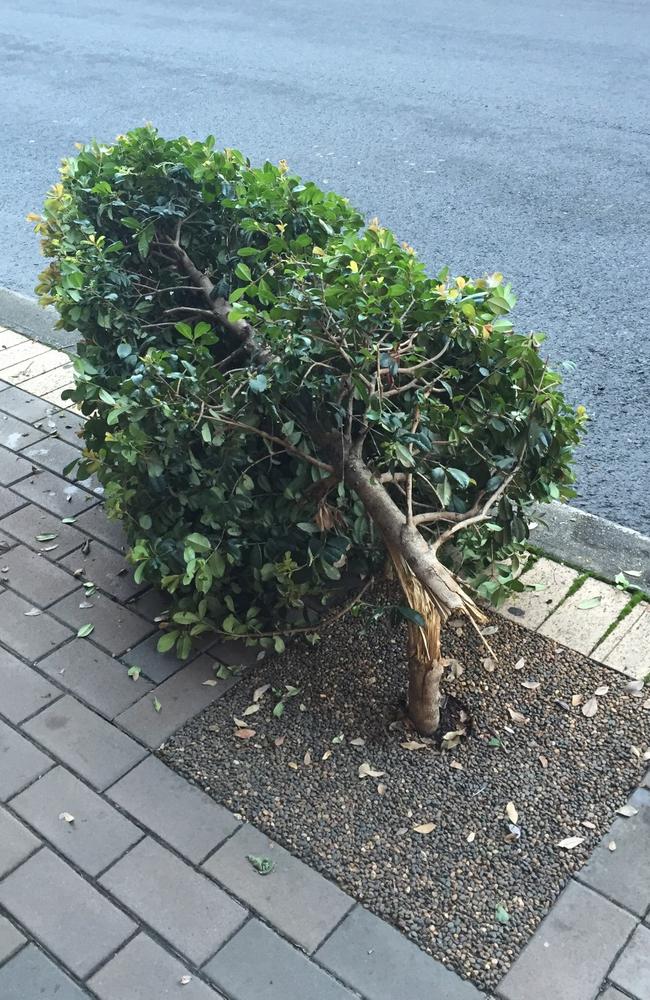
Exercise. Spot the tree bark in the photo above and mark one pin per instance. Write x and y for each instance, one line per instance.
(424, 694)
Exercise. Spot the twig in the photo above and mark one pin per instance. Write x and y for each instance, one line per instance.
(249, 429)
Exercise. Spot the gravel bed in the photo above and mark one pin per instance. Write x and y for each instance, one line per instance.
(446, 889)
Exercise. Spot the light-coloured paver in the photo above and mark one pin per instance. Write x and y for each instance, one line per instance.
(627, 648)
(532, 607)
(9, 338)
(56, 397)
(579, 627)
(37, 365)
(20, 352)
(49, 382)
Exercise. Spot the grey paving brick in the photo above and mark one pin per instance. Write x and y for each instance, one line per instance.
(234, 653)
(624, 874)
(632, 971)
(157, 666)
(611, 993)
(151, 605)
(302, 904)
(30, 637)
(8, 501)
(16, 434)
(94, 676)
(64, 424)
(144, 971)
(177, 811)
(16, 842)
(53, 454)
(107, 569)
(22, 690)
(20, 762)
(30, 521)
(12, 467)
(31, 976)
(180, 697)
(99, 833)
(185, 908)
(25, 407)
(570, 953)
(96, 523)
(116, 628)
(376, 960)
(10, 940)
(258, 963)
(84, 741)
(35, 578)
(55, 494)
(64, 912)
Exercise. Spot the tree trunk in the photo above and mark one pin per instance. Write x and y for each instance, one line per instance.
(424, 694)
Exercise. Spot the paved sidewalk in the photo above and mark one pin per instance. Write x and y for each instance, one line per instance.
(119, 879)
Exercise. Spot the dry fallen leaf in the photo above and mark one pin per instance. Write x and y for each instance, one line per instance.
(511, 812)
(66, 817)
(530, 685)
(636, 752)
(646, 705)
(239, 722)
(260, 691)
(366, 771)
(210, 683)
(358, 741)
(590, 708)
(612, 845)
(381, 788)
(252, 709)
(424, 827)
(490, 630)
(543, 760)
(577, 699)
(456, 764)
(627, 810)
(569, 843)
(600, 691)
(33, 613)
(634, 687)
(184, 980)
(519, 665)
(326, 755)
(489, 664)
(307, 758)
(279, 740)
(244, 734)
(471, 837)
(292, 764)
(516, 716)
(588, 824)
(413, 745)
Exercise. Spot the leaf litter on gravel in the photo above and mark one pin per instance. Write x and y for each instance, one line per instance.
(557, 768)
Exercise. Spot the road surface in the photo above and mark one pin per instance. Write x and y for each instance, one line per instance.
(507, 135)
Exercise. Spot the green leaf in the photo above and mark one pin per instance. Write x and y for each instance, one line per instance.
(167, 641)
(124, 350)
(46, 537)
(262, 865)
(156, 704)
(134, 672)
(206, 433)
(145, 521)
(224, 672)
(502, 914)
(106, 397)
(495, 742)
(68, 520)
(243, 271)
(278, 644)
(404, 455)
(279, 709)
(199, 542)
(259, 383)
(411, 615)
(85, 630)
(461, 477)
(590, 602)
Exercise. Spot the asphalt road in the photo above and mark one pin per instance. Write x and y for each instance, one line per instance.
(491, 134)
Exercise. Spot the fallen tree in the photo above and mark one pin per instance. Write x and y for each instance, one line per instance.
(277, 393)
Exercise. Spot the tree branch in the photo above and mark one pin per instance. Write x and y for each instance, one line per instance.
(249, 429)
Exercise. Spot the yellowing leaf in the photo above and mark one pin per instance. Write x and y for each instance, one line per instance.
(570, 843)
(471, 837)
(413, 745)
(260, 691)
(366, 771)
(354, 267)
(252, 709)
(244, 734)
(511, 812)
(516, 716)
(424, 827)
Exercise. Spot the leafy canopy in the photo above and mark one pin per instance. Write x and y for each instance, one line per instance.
(221, 456)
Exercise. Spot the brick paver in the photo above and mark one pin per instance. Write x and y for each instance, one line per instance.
(52, 453)
(116, 629)
(10, 940)
(624, 874)
(57, 495)
(84, 741)
(63, 424)
(379, 962)
(31, 521)
(35, 578)
(630, 649)
(582, 628)
(30, 975)
(632, 970)
(144, 971)
(16, 434)
(97, 678)
(9, 501)
(31, 636)
(258, 963)
(23, 691)
(20, 762)
(534, 606)
(63, 911)
(157, 666)
(97, 835)
(571, 952)
(16, 842)
(24, 406)
(107, 569)
(302, 904)
(185, 908)
(96, 523)
(12, 467)
(180, 697)
(178, 812)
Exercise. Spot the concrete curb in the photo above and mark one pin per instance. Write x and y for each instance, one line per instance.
(565, 533)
